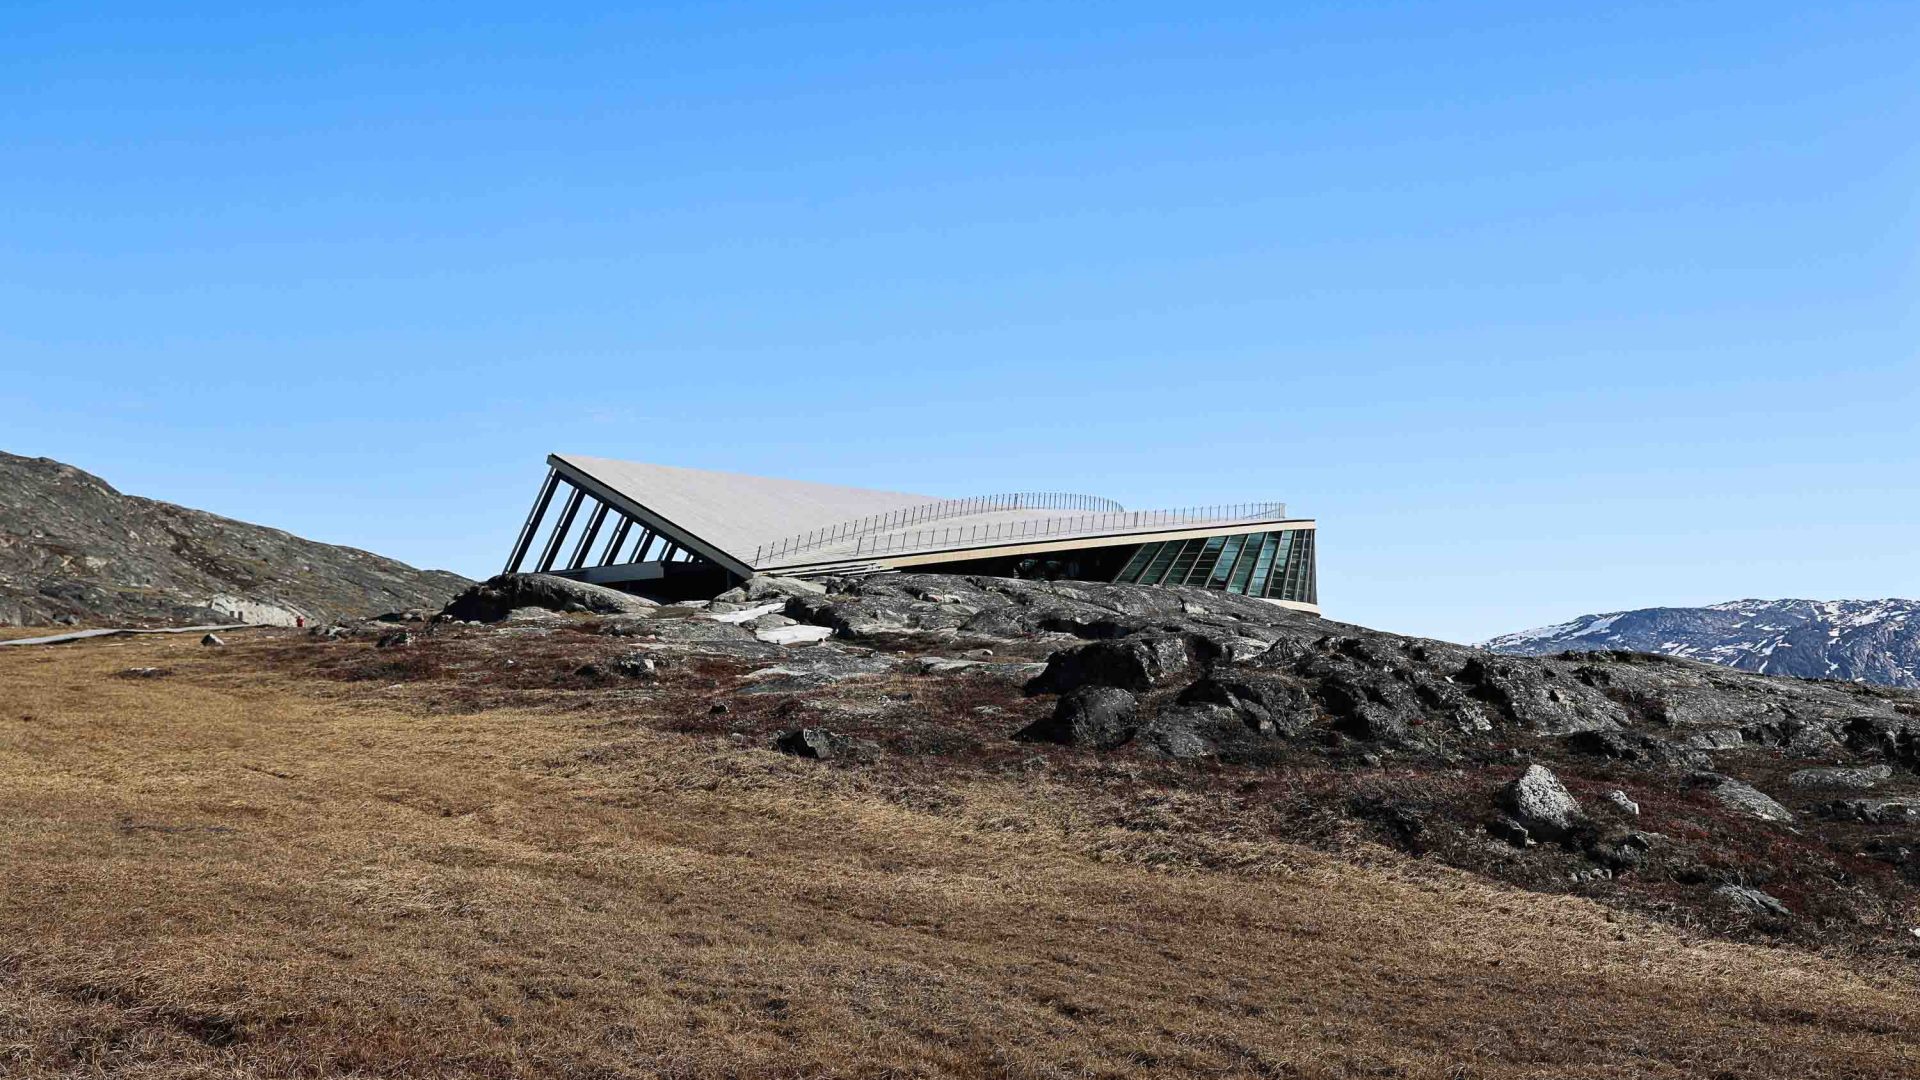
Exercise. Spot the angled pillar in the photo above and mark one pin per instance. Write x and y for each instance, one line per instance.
(560, 529)
(587, 538)
(617, 541)
(532, 526)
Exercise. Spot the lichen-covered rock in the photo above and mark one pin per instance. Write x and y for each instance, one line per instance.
(495, 598)
(1100, 717)
(1540, 802)
(1540, 697)
(1268, 703)
(1891, 811)
(1208, 731)
(1742, 797)
(816, 742)
(767, 587)
(1137, 662)
(1863, 778)
(1749, 901)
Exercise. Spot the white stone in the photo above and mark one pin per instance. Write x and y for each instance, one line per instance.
(744, 614)
(794, 635)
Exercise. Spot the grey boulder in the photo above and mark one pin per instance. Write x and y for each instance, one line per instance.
(1624, 802)
(1742, 798)
(1101, 717)
(1541, 803)
(1749, 901)
(496, 597)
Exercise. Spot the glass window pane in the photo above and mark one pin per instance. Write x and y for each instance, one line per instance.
(1141, 557)
(1263, 566)
(1283, 544)
(1202, 566)
(1295, 558)
(1229, 554)
(1183, 563)
(1243, 570)
(1162, 560)
(1310, 583)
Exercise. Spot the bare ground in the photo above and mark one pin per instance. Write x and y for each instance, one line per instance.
(247, 864)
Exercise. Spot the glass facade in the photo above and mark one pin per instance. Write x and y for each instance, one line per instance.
(1274, 565)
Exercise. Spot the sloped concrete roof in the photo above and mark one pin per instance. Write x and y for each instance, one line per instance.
(736, 513)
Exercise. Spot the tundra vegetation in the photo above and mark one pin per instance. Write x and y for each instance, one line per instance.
(987, 827)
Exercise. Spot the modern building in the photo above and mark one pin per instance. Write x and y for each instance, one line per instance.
(678, 533)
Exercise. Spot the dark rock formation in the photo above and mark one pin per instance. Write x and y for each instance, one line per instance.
(1101, 717)
(820, 743)
(1138, 662)
(500, 596)
(74, 550)
(1197, 657)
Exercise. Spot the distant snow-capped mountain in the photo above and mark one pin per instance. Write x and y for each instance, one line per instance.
(1871, 641)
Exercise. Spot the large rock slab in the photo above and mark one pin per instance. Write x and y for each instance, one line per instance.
(1742, 797)
(1137, 662)
(495, 598)
(1863, 778)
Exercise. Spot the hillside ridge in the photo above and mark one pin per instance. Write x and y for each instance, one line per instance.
(76, 550)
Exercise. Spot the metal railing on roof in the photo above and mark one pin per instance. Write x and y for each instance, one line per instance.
(870, 544)
(933, 511)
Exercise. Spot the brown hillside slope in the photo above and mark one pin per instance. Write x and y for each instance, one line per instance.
(74, 550)
(230, 869)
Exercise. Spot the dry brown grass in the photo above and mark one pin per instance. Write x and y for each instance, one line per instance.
(236, 871)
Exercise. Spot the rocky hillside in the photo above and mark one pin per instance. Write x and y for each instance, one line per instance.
(74, 550)
(1682, 790)
(1872, 641)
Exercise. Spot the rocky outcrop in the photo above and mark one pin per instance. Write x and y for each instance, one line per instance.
(500, 596)
(1631, 778)
(1196, 659)
(74, 550)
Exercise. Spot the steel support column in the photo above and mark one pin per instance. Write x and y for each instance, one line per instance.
(532, 526)
(587, 538)
(617, 541)
(560, 530)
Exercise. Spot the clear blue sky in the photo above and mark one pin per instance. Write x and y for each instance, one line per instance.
(1541, 309)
